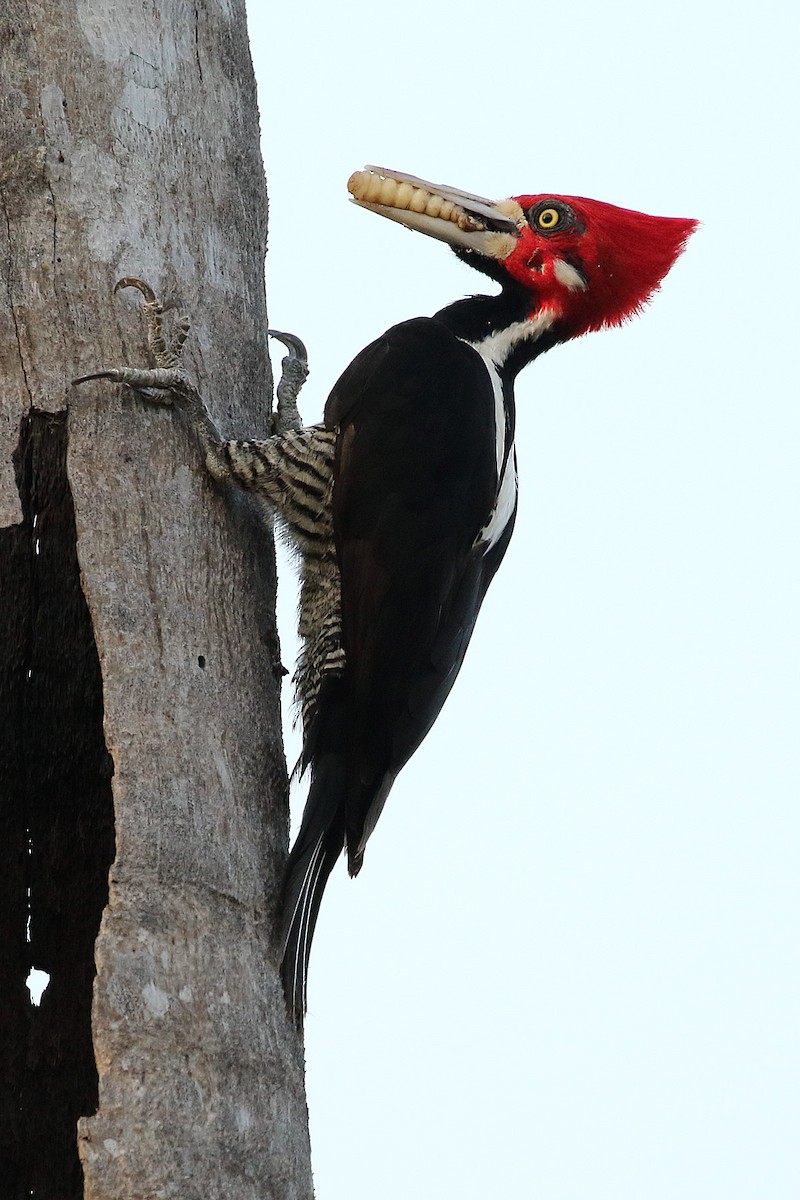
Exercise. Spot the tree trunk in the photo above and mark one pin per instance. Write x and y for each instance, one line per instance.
(139, 661)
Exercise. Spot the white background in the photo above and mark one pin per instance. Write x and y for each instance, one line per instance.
(569, 967)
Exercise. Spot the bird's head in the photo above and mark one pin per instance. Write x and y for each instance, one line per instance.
(583, 264)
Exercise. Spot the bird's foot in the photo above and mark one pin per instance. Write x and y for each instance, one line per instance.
(167, 379)
(294, 372)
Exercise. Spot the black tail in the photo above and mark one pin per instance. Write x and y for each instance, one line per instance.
(319, 844)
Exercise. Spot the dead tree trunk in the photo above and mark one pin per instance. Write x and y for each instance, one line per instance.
(139, 663)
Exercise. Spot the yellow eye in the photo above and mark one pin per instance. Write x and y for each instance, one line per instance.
(548, 218)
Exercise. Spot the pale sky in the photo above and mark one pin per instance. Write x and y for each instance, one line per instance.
(569, 970)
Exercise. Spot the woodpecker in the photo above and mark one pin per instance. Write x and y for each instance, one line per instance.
(402, 500)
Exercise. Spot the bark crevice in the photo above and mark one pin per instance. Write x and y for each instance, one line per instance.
(56, 825)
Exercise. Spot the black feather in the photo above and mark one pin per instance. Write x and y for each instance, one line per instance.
(415, 480)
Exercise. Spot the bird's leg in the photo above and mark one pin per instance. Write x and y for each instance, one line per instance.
(294, 372)
(165, 356)
(256, 465)
(167, 381)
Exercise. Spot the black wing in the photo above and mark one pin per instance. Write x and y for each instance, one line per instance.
(415, 482)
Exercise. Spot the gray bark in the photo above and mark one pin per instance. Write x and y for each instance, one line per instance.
(130, 147)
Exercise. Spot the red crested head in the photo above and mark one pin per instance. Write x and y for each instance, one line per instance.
(591, 263)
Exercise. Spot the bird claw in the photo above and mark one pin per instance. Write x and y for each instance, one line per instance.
(161, 383)
(154, 383)
(294, 372)
(154, 395)
(296, 348)
(165, 354)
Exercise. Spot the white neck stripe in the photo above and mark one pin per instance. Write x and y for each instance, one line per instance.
(505, 501)
(497, 346)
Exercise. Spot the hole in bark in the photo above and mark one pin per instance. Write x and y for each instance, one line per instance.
(36, 983)
(56, 829)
